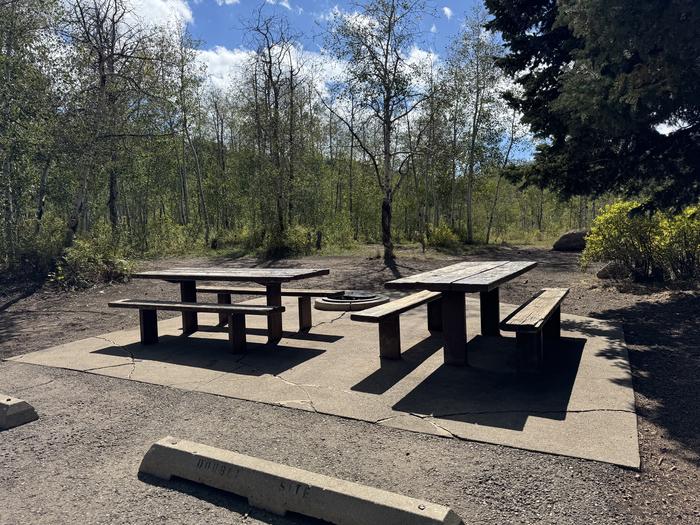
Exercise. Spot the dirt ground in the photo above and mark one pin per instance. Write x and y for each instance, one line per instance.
(79, 461)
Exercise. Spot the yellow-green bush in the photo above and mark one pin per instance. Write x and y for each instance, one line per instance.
(442, 236)
(680, 243)
(296, 240)
(649, 246)
(167, 237)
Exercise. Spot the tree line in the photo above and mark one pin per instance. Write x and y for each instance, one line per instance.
(111, 127)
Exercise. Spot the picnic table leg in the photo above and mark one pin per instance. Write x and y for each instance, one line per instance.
(223, 298)
(490, 313)
(435, 316)
(305, 322)
(188, 294)
(148, 321)
(274, 321)
(236, 331)
(454, 328)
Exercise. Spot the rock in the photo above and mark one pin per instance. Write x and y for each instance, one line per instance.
(573, 241)
(612, 270)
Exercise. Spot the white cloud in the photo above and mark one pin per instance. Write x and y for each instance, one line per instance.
(283, 3)
(448, 12)
(159, 12)
(223, 64)
(228, 2)
(433, 29)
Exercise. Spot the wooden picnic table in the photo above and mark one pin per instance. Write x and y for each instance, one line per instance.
(270, 278)
(456, 280)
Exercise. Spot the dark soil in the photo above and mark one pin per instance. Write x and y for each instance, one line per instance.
(78, 461)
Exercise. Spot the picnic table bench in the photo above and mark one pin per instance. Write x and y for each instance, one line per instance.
(536, 321)
(224, 293)
(387, 316)
(236, 313)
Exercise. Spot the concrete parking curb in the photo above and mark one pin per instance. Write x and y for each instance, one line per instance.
(15, 412)
(279, 488)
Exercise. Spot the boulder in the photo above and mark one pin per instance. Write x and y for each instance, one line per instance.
(573, 241)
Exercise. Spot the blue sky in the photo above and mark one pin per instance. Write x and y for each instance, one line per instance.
(219, 23)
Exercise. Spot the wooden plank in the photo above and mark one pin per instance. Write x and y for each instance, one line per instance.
(465, 277)
(438, 272)
(261, 275)
(376, 314)
(286, 292)
(197, 307)
(494, 277)
(443, 275)
(532, 314)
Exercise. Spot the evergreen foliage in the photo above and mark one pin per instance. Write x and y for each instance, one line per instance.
(612, 88)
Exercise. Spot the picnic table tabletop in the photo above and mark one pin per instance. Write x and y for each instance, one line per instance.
(260, 275)
(466, 277)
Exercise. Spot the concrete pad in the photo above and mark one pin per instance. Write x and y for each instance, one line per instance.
(280, 489)
(15, 412)
(581, 406)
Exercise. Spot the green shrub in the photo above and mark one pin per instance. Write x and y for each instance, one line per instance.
(648, 246)
(340, 232)
(167, 237)
(39, 248)
(89, 261)
(442, 236)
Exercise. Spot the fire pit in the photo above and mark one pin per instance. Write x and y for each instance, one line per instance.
(350, 300)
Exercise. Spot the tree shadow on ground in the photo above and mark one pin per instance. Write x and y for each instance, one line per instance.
(215, 355)
(490, 392)
(228, 501)
(663, 339)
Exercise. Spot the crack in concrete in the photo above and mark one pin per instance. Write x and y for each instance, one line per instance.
(126, 350)
(534, 412)
(430, 418)
(301, 387)
(332, 320)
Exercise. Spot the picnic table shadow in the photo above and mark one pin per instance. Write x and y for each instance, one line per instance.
(215, 355)
(305, 335)
(490, 392)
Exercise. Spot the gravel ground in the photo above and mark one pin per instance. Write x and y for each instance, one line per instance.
(79, 460)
